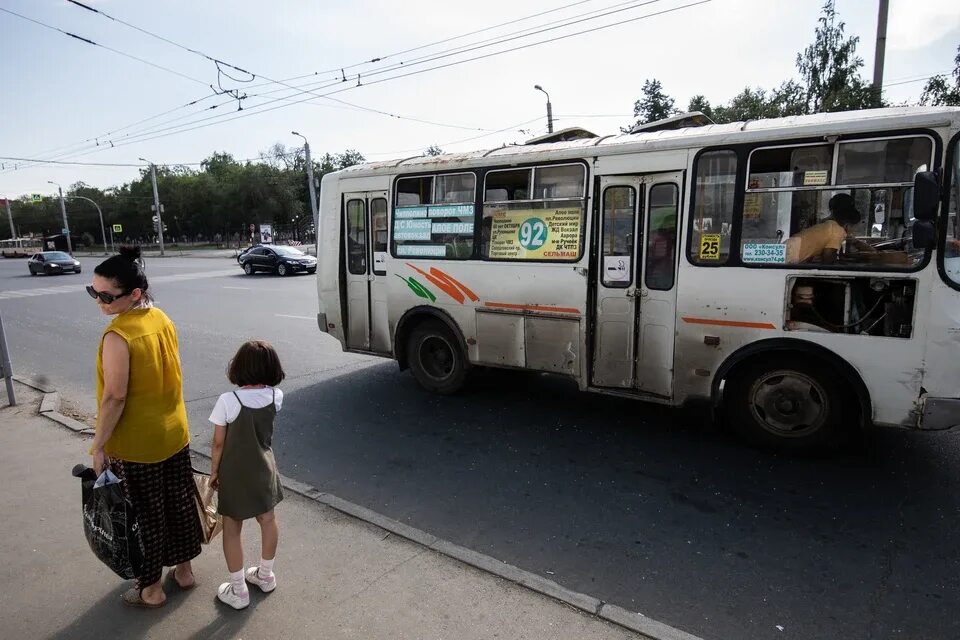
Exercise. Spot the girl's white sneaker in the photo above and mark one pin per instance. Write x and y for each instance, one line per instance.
(227, 594)
(266, 584)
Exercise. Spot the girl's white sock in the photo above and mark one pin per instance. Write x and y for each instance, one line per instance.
(237, 581)
(266, 568)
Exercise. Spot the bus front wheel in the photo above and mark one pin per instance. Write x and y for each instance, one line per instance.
(436, 359)
(790, 404)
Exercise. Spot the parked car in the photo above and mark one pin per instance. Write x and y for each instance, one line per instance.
(280, 259)
(51, 262)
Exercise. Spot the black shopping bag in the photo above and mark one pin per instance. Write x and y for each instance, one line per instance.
(110, 522)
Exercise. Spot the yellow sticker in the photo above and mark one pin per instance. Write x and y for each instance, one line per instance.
(710, 246)
(536, 234)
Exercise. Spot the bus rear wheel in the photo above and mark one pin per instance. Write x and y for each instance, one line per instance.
(436, 359)
(790, 404)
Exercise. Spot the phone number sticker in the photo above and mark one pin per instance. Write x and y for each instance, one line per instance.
(764, 253)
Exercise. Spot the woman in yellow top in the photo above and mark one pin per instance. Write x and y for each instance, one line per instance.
(142, 428)
(822, 242)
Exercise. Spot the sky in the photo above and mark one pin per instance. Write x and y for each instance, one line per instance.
(68, 100)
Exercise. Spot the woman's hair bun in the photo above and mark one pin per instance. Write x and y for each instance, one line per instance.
(131, 253)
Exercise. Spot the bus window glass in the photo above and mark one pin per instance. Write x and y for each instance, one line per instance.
(516, 226)
(795, 214)
(951, 253)
(435, 223)
(883, 161)
(716, 173)
(378, 221)
(356, 237)
(661, 237)
(619, 222)
(455, 188)
(553, 183)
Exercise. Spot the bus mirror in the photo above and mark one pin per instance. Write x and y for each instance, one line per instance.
(926, 195)
(924, 234)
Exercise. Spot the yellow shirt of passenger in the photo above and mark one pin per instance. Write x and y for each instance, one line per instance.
(153, 425)
(811, 242)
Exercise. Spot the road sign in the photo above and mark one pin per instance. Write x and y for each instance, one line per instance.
(118, 228)
(155, 218)
(37, 197)
(64, 231)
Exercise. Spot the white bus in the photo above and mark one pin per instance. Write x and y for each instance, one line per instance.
(675, 266)
(20, 247)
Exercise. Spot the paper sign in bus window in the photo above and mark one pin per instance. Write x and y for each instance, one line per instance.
(710, 246)
(536, 234)
(411, 229)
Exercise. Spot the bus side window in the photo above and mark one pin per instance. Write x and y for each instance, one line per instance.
(619, 222)
(712, 213)
(662, 237)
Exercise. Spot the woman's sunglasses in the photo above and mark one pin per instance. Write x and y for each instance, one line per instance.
(105, 298)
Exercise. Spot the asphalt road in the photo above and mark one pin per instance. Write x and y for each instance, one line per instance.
(637, 505)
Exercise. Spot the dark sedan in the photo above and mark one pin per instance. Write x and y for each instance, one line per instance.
(279, 259)
(51, 262)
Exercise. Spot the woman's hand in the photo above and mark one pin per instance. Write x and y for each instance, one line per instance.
(215, 480)
(100, 461)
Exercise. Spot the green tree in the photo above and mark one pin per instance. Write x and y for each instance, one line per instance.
(939, 92)
(433, 150)
(700, 103)
(654, 105)
(830, 69)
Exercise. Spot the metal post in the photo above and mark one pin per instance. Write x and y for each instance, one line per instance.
(156, 204)
(112, 249)
(311, 186)
(6, 369)
(66, 227)
(103, 232)
(549, 108)
(881, 47)
(13, 233)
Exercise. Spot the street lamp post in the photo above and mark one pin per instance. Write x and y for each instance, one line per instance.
(63, 211)
(312, 189)
(549, 108)
(13, 233)
(156, 202)
(103, 230)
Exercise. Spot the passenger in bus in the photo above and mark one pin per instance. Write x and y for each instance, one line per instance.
(822, 242)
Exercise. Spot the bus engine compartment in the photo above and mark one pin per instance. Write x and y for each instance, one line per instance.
(860, 305)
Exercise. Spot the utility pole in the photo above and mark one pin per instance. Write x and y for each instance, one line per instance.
(13, 233)
(549, 108)
(881, 47)
(63, 210)
(311, 186)
(156, 203)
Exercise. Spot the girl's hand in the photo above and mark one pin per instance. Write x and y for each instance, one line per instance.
(215, 480)
(100, 461)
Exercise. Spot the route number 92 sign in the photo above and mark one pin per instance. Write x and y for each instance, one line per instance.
(710, 246)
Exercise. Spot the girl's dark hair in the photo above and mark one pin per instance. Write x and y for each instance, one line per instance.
(844, 209)
(125, 270)
(256, 362)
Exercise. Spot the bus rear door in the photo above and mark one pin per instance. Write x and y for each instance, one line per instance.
(365, 238)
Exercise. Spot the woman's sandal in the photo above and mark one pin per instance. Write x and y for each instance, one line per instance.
(132, 598)
(173, 575)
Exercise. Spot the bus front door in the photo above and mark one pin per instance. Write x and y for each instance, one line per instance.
(636, 295)
(365, 237)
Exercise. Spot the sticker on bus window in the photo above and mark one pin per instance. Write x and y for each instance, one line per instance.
(426, 250)
(410, 212)
(536, 234)
(710, 246)
(762, 253)
(616, 269)
(815, 178)
(752, 206)
(411, 229)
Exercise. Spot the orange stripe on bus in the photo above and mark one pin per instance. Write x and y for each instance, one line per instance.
(530, 307)
(730, 323)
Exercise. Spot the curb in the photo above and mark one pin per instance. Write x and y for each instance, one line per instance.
(636, 622)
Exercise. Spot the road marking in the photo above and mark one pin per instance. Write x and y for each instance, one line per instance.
(77, 288)
(281, 315)
(239, 288)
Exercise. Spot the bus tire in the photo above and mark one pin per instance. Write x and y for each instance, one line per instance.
(790, 403)
(436, 359)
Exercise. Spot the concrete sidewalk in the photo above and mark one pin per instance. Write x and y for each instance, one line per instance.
(338, 577)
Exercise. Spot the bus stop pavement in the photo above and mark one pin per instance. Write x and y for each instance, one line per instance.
(339, 575)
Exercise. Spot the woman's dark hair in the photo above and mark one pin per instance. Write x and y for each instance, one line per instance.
(125, 270)
(844, 209)
(256, 362)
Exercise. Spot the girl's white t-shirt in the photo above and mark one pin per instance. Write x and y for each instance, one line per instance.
(227, 408)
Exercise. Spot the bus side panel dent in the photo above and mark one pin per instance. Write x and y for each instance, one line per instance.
(552, 344)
